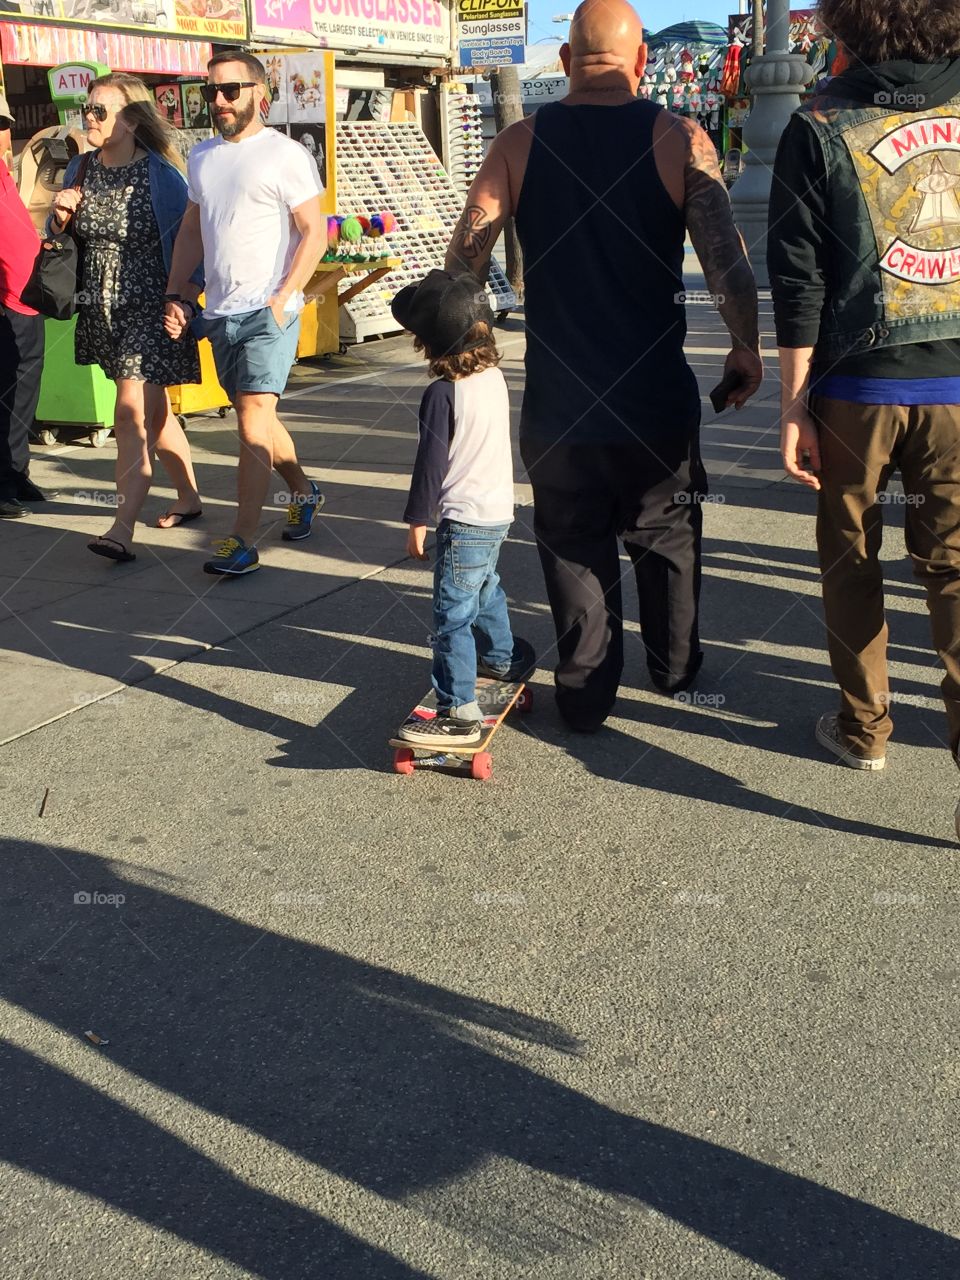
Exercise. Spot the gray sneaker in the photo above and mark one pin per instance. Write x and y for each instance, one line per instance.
(829, 736)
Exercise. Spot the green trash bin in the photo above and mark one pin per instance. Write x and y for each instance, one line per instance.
(72, 395)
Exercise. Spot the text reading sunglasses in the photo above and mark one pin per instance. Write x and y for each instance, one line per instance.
(231, 91)
(97, 110)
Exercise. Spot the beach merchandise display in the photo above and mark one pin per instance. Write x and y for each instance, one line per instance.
(391, 166)
(356, 238)
(461, 134)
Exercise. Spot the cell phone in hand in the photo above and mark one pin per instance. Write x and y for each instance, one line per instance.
(718, 396)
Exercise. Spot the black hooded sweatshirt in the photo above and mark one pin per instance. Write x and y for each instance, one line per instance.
(799, 246)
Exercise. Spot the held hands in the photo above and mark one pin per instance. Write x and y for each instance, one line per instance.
(176, 319)
(750, 367)
(800, 445)
(65, 204)
(415, 538)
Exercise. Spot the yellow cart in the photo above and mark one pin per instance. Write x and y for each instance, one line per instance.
(319, 331)
(322, 290)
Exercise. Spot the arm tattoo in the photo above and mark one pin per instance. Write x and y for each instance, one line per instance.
(718, 243)
(470, 245)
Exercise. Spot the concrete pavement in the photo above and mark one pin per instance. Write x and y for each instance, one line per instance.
(674, 1001)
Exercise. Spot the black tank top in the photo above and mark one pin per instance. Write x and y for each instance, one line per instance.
(603, 257)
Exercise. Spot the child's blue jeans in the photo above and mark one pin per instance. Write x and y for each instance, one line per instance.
(467, 598)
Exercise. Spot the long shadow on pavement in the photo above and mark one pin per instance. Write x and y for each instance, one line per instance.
(401, 1086)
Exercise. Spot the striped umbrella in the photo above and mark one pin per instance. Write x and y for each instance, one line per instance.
(692, 33)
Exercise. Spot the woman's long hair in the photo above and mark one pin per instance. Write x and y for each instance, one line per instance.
(141, 115)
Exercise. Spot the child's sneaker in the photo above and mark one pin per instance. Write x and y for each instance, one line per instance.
(233, 557)
(300, 515)
(521, 666)
(442, 729)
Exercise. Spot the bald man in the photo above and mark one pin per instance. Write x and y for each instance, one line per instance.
(603, 188)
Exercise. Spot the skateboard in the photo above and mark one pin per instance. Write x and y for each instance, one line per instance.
(496, 698)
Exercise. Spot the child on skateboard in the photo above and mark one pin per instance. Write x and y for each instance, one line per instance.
(463, 477)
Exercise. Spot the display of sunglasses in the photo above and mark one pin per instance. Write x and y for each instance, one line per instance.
(97, 110)
(231, 91)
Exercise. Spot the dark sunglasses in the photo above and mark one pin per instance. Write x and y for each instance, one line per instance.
(96, 110)
(231, 92)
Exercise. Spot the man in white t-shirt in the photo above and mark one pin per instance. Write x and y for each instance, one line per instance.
(254, 217)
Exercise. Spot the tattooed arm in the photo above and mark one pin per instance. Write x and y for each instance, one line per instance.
(723, 257)
(490, 202)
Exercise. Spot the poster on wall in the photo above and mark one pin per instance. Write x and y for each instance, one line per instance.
(221, 20)
(306, 98)
(276, 89)
(418, 28)
(170, 103)
(313, 138)
(196, 113)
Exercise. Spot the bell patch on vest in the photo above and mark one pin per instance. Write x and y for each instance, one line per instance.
(909, 172)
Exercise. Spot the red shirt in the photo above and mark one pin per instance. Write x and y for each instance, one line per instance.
(19, 245)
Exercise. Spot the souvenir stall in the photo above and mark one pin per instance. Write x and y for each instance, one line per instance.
(683, 73)
(805, 38)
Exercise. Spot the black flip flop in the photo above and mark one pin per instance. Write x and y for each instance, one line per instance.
(99, 549)
(181, 518)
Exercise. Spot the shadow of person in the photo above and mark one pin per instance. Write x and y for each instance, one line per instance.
(403, 1087)
(69, 1133)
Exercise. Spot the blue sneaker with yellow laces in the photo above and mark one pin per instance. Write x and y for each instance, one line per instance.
(300, 515)
(233, 557)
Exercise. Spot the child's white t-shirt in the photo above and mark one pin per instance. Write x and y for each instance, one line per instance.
(246, 191)
(464, 466)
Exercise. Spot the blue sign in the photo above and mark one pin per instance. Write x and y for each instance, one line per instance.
(491, 52)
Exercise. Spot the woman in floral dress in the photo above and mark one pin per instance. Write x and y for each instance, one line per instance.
(126, 217)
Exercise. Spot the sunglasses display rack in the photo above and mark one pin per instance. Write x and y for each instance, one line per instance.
(461, 134)
(391, 165)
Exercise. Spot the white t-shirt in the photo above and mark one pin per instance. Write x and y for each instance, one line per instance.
(246, 191)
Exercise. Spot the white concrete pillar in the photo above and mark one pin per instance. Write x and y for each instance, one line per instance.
(774, 81)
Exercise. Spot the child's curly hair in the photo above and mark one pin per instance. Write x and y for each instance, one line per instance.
(462, 365)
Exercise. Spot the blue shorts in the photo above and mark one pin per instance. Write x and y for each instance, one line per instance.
(252, 353)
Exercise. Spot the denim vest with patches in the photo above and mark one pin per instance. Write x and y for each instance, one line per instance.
(893, 224)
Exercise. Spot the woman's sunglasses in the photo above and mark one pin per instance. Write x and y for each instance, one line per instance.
(97, 110)
(231, 91)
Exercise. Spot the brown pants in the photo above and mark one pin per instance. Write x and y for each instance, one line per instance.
(861, 445)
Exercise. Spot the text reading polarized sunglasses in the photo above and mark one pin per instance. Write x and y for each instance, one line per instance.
(231, 91)
(97, 110)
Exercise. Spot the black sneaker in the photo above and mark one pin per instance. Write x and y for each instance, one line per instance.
(12, 509)
(522, 665)
(442, 730)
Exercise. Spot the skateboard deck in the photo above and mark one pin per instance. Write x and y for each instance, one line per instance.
(495, 699)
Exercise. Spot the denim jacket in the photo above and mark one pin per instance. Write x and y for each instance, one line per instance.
(892, 203)
(168, 196)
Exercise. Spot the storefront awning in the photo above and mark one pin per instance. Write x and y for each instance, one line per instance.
(47, 46)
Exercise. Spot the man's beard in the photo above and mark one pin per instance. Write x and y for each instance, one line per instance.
(241, 118)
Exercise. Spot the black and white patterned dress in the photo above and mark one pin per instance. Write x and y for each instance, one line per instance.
(120, 324)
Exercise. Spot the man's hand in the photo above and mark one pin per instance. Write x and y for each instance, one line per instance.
(415, 537)
(750, 367)
(800, 445)
(176, 321)
(277, 305)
